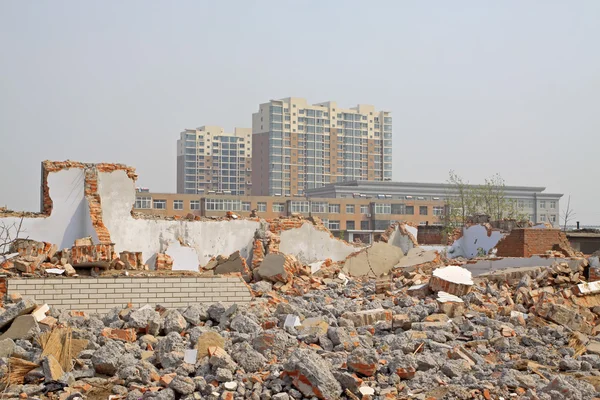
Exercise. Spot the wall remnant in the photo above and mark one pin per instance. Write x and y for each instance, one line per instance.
(101, 294)
(476, 240)
(310, 244)
(401, 235)
(526, 242)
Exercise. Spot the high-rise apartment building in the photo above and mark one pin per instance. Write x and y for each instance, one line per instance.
(298, 146)
(208, 159)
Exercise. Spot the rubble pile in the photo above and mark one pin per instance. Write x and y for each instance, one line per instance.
(531, 338)
(30, 258)
(389, 321)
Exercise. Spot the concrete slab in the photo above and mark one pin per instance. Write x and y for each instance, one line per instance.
(374, 261)
(23, 327)
(309, 244)
(417, 256)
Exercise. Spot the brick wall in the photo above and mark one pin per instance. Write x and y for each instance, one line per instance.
(102, 294)
(527, 242)
(430, 235)
(3, 281)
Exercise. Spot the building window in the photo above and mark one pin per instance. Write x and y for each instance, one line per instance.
(177, 204)
(334, 225)
(383, 208)
(318, 207)
(552, 205)
(364, 225)
(553, 218)
(222, 205)
(278, 207)
(521, 203)
(364, 209)
(195, 204)
(422, 210)
(334, 209)
(350, 225)
(262, 206)
(299, 207)
(398, 209)
(410, 210)
(543, 218)
(159, 204)
(350, 209)
(143, 203)
(246, 206)
(438, 210)
(542, 203)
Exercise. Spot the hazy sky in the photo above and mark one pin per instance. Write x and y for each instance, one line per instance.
(476, 86)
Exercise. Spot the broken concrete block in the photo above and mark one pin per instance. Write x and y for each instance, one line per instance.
(235, 263)
(7, 348)
(368, 317)
(419, 291)
(190, 356)
(311, 374)
(40, 312)
(450, 305)
(374, 261)
(24, 306)
(587, 288)
(277, 268)
(291, 321)
(451, 279)
(401, 321)
(23, 327)
(206, 340)
(315, 325)
(47, 324)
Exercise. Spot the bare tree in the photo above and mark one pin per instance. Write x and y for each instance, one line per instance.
(8, 234)
(568, 215)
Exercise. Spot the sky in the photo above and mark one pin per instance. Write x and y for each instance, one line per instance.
(478, 87)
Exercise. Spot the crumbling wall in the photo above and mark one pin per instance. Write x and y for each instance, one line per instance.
(430, 235)
(150, 236)
(401, 235)
(66, 215)
(310, 244)
(475, 240)
(526, 242)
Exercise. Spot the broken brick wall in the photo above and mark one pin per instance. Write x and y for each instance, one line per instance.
(527, 242)
(430, 235)
(3, 290)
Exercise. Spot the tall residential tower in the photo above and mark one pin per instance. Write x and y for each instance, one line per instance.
(208, 159)
(298, 146)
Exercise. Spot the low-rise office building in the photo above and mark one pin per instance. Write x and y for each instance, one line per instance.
(355, 210)
(353, 218)
(531, 201)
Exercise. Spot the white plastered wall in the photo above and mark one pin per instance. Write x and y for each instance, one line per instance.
(310, 244)
(70, 217)
(150, 236)
(473, 238)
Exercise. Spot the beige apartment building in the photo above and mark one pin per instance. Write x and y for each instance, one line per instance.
(359, 217)
(212, 161)
(298, 146)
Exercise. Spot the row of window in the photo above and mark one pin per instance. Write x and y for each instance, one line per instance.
(317, 207)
